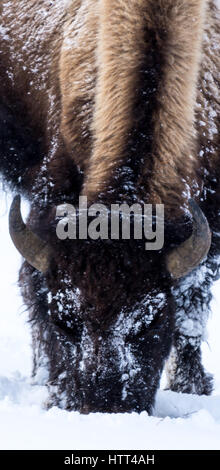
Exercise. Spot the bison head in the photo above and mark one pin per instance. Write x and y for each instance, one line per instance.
(109, 312)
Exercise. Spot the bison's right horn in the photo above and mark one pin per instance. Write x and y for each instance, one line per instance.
(29, 245)
(187, 256)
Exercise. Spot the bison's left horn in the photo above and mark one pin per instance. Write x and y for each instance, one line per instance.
(183, 259)
(32, 248)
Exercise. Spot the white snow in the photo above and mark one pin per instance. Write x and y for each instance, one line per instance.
(180, 421)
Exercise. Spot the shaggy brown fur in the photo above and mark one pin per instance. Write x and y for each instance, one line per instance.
(163, 38)
(118, 100)
(96, 74)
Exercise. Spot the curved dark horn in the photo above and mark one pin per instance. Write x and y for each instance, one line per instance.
(31, 247)
(183, 259)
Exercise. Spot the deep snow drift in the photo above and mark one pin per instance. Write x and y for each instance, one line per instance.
(181, 421)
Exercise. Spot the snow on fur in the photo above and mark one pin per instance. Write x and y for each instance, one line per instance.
(180, 421)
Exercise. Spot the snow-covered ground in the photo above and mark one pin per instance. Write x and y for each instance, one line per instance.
(181, 421)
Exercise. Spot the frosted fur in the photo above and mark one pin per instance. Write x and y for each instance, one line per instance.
(118, 101)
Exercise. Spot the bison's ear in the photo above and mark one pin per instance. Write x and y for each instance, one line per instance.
(187, 256)
(36, 251)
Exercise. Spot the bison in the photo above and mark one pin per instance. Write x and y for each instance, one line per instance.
(116, 101)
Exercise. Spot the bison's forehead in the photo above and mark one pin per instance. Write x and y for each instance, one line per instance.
(101, 303)
(69, 302)
(107, 272)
